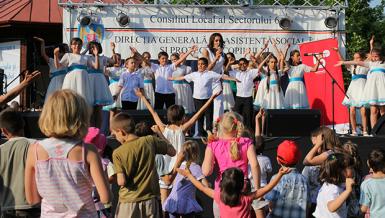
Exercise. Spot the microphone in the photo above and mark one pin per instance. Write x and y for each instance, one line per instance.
(312, 54)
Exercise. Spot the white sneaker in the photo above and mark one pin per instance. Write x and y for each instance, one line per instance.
(365, 134)
(353, 134)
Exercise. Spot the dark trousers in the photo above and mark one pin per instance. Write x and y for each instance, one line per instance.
(161, 99)
(27, 213)
(208, 115)
(244, 106)
(129, 105)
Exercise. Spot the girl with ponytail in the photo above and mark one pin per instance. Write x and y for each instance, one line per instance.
(274, 95)
(229, 149)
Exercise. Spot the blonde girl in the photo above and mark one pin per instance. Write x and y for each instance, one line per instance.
(228, 150)
(61, 170)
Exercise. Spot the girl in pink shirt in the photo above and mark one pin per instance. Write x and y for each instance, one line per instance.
(231, 200)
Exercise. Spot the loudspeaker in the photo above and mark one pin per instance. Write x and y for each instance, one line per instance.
(379, 128)
(31, 128)
(291, 122)
(2, 77)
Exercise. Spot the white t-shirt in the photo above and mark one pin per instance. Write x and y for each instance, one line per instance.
(266, 168)
(70, 59)
(162, 73)
(245, 87)
(203, 82)
(327, 193)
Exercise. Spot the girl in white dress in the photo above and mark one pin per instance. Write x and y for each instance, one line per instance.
(77, 77)
(101, 91)
(114, 73)
(183, 92)
(374, 91)
(214, 54)
(56, 75)
(148, 77)
(295, 96)
(355, 92)
(273, 98)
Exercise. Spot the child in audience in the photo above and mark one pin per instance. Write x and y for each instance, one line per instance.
(61, 170)
(290, 197)
(182, 202)
(335, 171)
(134, 163)
(229, 197)
(13, 157)
(373, 188)
(95, 137)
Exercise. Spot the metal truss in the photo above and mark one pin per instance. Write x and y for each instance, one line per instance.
(296, 4)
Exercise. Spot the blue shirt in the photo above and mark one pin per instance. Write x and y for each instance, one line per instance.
(290, 196)
(373, 196)
(130, 82)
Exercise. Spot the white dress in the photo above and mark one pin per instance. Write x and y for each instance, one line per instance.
(102, 93)
(183, 92)
(228, 98)
(56, 76)
(147, 75)
(217, 85)
(356, 87)
(114, 77)
(261, 91)
(295, 96)
(274, 96)
(177, 139)
(374, 91)
(77, 77)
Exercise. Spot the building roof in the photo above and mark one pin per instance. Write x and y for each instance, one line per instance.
(30, 11)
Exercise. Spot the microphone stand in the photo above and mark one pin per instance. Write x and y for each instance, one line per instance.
(334, 82)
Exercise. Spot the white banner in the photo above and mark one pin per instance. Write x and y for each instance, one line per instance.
(175, 29)
(10, 63)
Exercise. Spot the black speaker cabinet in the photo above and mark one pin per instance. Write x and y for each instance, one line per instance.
(31, 128)
(379, 128)
(291, 122)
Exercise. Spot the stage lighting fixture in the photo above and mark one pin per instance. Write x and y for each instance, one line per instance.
(331, 22)
(244, 3)
(285, 23)
(123, 19)
(84, 19)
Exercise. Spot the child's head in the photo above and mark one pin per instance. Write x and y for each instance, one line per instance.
(11, 123)
(122, 125)
(295, 58)
(175, 114)
(65, 115)
(288, 153)
(97, 138)
(231, 125)
(76, 45)
(130, 64)
(328, 138)
(336, 168)
(174, 57)
(203, 63)
(143, 129)
(146, 55)
(272, 63)
(63, 48)
(359, 56)
(376, 160)
(162, 58)
(216, 41)
(352, 149)
(94, 45)
(230, 56)
(191, 151)
(231, 186)
(376, 54)
(243, 63)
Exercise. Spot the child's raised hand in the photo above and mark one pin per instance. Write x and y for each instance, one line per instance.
(95, 50)
(112, 44)
(155, 129)
(284, 170)
(56, 51)
(194, 48)
(29, 77)
(266, 45)
(349, 184)
(216, 94)
(138, 93)
(218, 54)
(371, 40)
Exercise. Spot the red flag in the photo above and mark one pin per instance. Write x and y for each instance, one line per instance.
(319, 84)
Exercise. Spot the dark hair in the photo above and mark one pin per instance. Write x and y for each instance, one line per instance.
(63, 48)
(316, 132)
(376, 160)
(95, 44)
(332, 169)
(292, 53)
(143, 129)
(330, 139)
(259, 144)
(231, 186)
(352, 149)
(176, 55)
(244, 60)
(268, 75)
(146, 52)
(175, 113)
(379, 52)
(191, 152)
(12, 121)
(231, 54)
(211, 42)
(123, 122)
(76, 40)
(204, 60)
(162, 53)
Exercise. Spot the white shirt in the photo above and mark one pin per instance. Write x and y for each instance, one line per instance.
(162, 73)
(203, 82)
(266, 168)
(245, 87)
(327, 193)
(129, 82)
(70, 59)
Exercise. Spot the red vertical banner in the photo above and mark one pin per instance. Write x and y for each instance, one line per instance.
(319, 84)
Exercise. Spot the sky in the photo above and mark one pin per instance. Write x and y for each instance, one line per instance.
(374, 2)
